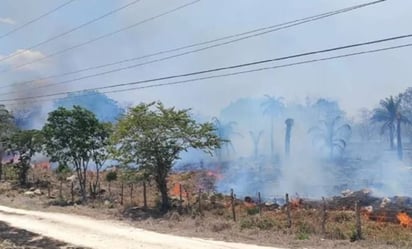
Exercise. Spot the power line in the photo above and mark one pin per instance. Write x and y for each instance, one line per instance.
(244, 64)
(105, 35)
(206, 77)
(69, 31)
(35, 19)
(265, 30)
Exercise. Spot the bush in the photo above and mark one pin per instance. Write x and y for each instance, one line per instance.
(220, 226)
(343, 217)
(265, 224)
(337, 234)
(111, 176)
(302, 236)
(252, 211)
(247, 223)
(261, 223)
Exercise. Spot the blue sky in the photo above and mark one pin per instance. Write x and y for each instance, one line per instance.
(355, 82)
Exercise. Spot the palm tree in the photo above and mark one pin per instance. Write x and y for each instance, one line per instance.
(390, 114)
(332, 134)
(289, 123)
(272, 107)
(225, 131)
(256, 139)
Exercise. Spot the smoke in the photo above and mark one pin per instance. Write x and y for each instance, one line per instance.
(312, 169)
(105, 108)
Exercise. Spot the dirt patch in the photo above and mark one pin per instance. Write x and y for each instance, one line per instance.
(14, 238)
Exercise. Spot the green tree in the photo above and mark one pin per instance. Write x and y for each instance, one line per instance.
(289, 124)
(273, 108)
(26, 143)
(153, 136)
(390, 114)
(101, 153)
(74, 137)
(332, 134)
(111, 176)
(62, 172)
(7, 127)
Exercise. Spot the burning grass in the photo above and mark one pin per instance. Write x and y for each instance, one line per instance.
(259, 223)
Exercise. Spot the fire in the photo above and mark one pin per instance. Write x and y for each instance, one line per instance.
(296, 203)
(175, 191)
(404, 219)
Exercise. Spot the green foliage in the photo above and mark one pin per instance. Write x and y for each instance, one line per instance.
(304, 229)
(302, 236)
(63, 170)
(392, 116)
(26, 143)
(152, 137)
(7, 128)
(258, 222)
(111, 176)
(252, 210)
(75, 136)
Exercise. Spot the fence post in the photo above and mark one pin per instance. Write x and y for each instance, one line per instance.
(324, 216)
(131, 193)
(259, 203)
(289, 221)
(121, 193)
(180, 194)
(200, 200)
(358, 222)
(49, 190)
(144, 195)
(233, 197)
(72, 191)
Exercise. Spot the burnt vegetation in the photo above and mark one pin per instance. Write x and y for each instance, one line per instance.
(142, 167)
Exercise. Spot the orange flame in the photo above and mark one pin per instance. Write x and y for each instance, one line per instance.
(404, 219)
(296, 203)
(175, 191)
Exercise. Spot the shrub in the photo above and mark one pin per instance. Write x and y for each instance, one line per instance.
(302, 236)
(220, 226)
(247, 223)
(265, 224)
(252, 211)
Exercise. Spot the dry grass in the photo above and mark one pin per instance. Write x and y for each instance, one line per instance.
(215, 219)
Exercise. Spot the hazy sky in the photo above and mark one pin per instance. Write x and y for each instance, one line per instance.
(355, 82)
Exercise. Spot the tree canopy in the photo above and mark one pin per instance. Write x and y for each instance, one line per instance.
(74, 136)
(152, 137)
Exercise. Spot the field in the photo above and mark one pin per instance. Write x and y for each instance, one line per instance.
(213, 217)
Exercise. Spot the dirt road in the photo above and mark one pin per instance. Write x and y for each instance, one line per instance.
(99, 234)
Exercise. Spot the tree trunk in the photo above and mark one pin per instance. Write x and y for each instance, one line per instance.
(162, 185)
(81, 175)
(131, 193)
(1, 169)
(287, 140)
(61, 189)
(399, 140)
(121, 193)
(144, 195)
(23, 173)
(391, 131)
